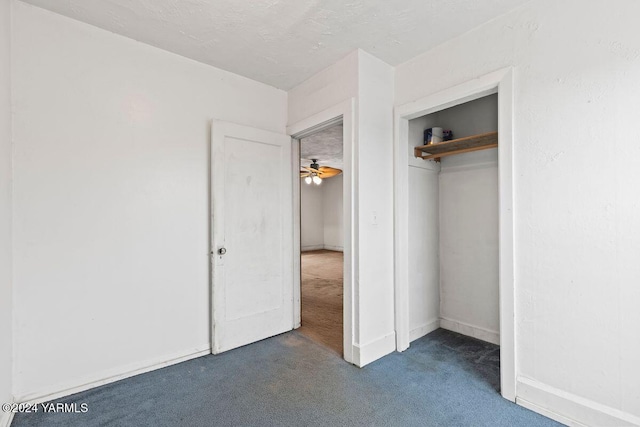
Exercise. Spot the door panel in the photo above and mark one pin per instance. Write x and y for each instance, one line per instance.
(252, 220)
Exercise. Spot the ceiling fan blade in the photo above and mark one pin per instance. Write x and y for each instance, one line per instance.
(304, 174)
(328, 172)
(328, 169)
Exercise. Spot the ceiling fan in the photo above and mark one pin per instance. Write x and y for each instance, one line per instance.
(316, 173)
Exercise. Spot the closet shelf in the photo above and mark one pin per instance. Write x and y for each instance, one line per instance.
(481, 141)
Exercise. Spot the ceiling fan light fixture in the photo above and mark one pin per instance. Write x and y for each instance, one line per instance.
(316, 173)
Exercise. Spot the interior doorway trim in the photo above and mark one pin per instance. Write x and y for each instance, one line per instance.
(345, 113)
(500, 81)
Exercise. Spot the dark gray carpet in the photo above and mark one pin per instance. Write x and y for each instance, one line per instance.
(444, 379)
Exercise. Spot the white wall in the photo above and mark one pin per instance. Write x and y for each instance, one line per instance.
(469, 226)
(469, 247)
(370, 82)
(6, 338)
(576, 148)
(332, 213)
(111, 199)
(311, 217)
(424, 256)
(375, 207)
(321, 215)
(329, 87)
(423, 274)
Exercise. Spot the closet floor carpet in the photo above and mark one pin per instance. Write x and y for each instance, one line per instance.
(321, 295)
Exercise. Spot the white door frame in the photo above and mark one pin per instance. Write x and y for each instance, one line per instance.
(500, 81)
(344, 112)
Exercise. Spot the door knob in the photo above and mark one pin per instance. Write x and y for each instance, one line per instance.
(222, 251)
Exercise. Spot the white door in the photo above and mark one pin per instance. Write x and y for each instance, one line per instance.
(252, 235)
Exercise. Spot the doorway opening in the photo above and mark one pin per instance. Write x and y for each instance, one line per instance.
(322, 237)
(344, 114)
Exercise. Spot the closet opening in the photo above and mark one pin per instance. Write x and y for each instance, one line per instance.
(453, 244)
(453, 182)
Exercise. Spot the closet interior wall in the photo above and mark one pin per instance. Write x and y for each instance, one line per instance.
(453, 223)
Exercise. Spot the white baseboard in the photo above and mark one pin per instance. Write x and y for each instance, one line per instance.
(311, 248)
(6, 418)
(319, 247)
(470, 330)
(568, 408)
(107, 378)
(423, 330)
(374, 350)
(542, 411)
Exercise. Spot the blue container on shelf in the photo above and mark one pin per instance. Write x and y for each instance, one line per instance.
(427, 136)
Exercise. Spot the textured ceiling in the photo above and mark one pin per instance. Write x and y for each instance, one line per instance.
(325, 146)
(284, 42)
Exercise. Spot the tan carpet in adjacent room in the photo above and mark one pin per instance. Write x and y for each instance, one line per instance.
(322, 297)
